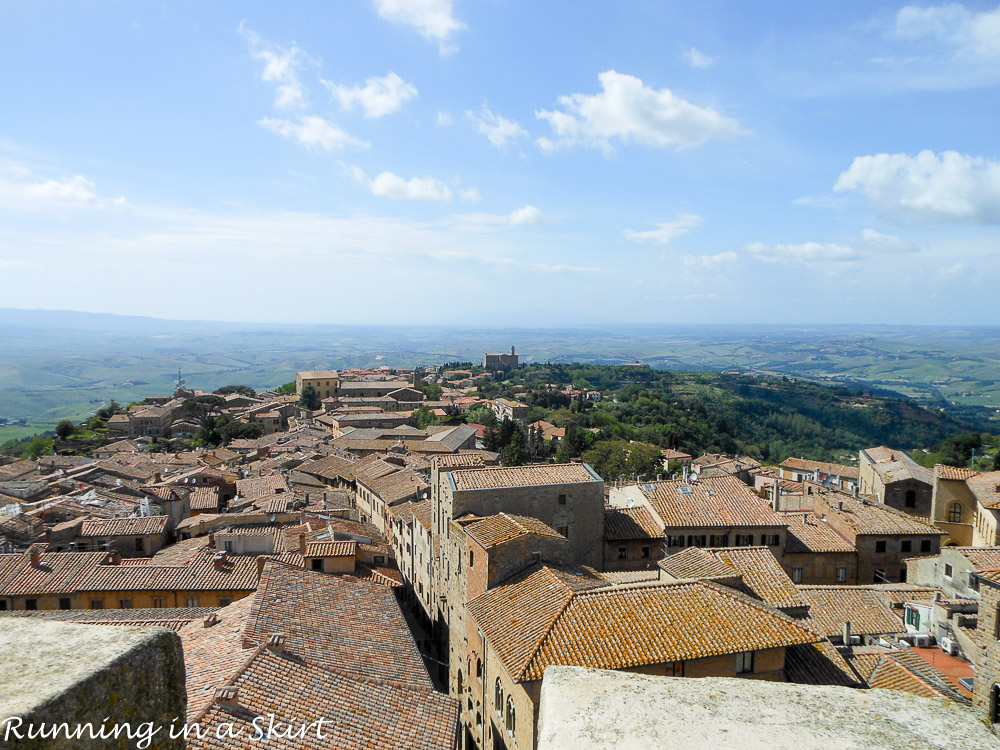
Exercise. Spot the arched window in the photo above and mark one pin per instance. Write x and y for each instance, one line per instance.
(479, 668)
(511, 720)
(460, 681)
(911, 498)
(498, 698)
(955, 513)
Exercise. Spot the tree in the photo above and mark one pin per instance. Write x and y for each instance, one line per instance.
(202, 408)
(109, 411)
(243, 390)
(64, 429)
(432, 392)
(424, 417)
(310, 399)
(285, 390)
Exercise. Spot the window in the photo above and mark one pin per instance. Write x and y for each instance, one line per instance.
(676, 669)
(744, 540)
(97, 604)
(192, 601)
(948, 570)
(31, 604)
(955, 513)
(124, 604)
(905, 546)
(841, 575)
(229, 546)
(511, 719)
(64, 603)
(378, 560)
(973, 581)
(880, 546)
(675, 541)
(911, 499)
(925, 545)
(3, 605)
(913, 617)
(225, 601)
(622, 553)
(316, 564)
(562, 499)
(879, 576)
(472, 558)
(796, 575)
(718, 540)
(461, 682)
(744, 662)
(644, 553)
(479, 669)
(159, 602)
(140, 544)
(498, 698)
(770, 540)
(564, 530)
(696, 540)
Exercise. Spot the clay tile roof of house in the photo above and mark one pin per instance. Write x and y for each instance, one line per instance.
(819, 664)
(982, 558)
(358, 712)
(260, 486)
(720, 501)
(694, 562)
(332, 549)
(201, 573)
(500, 477)
(458, 460)
(317, 374)
(871, 518)
(763, 575)
(894, 466)
(804, 464)
(630, 523)
(943, 471)
(808, 533)
(503, 527)
(831, 606)
(214, 651)
(986, 488)
(99, 527)
(56, 572)
(338, 622)
(398, 485)
(538, 619)
(204, 498)
(423, 512)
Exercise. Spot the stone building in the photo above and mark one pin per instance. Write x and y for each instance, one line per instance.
(632, 540)
(896, 480)
(815, 554)
(494, 362)
(986, 688)
(326, 383)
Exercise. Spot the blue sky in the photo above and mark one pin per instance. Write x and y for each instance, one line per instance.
(502, 162)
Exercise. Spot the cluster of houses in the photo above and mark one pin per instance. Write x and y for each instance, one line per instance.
(406, 585)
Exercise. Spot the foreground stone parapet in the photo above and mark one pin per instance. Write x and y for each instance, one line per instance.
(53, 673)
(588, 709)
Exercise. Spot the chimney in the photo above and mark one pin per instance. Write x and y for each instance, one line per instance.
(116, 557)
(512, 351)
(302, 544)
(211, 539)
(261, 560)
(210, 620)
(840, 505)
(228, 696)
(276, 642)
(219, 560)
(855, 490)
(846, 635)
(35, 554)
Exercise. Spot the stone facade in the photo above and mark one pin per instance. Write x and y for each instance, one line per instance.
(986, 688)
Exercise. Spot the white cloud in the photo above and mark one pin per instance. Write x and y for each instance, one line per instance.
(389, 185)
(665, 232)
(805, 252)
(876, 242)
(527, 216)
(499, 130)
(711, 261)
(698, 59)
(950, 272)
(444, 119)
(313, 132)
(927, 186)
(969, 35)
(378, 97)
(630, 112)
(434, 19)
(27, 191)
(281, 65)
(469, 195)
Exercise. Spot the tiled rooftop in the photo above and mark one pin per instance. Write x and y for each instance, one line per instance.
(630, 523)
(98, 527)
(499, 477)
(503, 527)
(807, 532)
(543, 617)
(871, 518)
(720, 501)
(804, 464)
(831, 606)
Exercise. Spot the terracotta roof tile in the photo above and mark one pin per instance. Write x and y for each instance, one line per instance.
(98, 527)
(499, 477)
(721, 501)
(809, 533)
(630, 523)
(831, 606)
(503, 527)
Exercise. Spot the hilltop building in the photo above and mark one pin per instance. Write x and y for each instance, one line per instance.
(494, 362)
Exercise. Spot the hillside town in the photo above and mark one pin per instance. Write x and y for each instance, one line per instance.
(391, 575)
